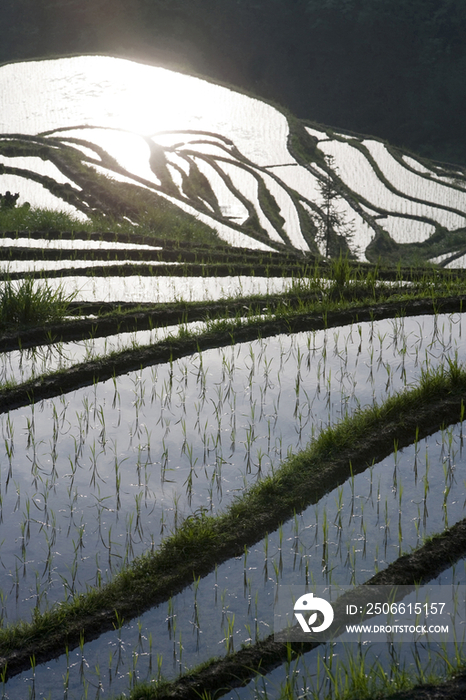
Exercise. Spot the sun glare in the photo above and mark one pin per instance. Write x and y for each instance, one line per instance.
(147, 99)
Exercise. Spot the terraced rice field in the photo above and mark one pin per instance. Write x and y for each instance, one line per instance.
(200, 429)
(235, 163)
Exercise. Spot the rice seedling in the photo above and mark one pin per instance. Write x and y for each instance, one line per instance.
(90, 437)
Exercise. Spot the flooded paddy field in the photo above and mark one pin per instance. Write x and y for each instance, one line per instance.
(127, 459)
(359, 527)
(199, 409)
(81, 502)
(234, 162)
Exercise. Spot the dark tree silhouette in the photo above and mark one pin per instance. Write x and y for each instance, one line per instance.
(332, 226)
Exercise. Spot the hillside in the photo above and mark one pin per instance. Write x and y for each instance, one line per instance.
(107, 138)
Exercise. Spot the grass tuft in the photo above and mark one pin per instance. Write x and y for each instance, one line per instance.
(26, 303)
(30, 219)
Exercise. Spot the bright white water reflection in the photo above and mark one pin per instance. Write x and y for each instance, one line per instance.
(167, 289)
(115, 93)
(22, 365)
(159, 130)
(24, 266)
(72, 244)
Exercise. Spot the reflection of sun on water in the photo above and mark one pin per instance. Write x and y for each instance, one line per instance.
(146, 99)
(130, 102)
(130, 150)
(103, 91)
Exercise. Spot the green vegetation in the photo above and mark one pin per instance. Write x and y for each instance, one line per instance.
(31, 219)
(155, 217)
(323, 293)
(127, 208)
(333, 231)
(28, 303)
(356, 677)
(295, 50)
(144, 208)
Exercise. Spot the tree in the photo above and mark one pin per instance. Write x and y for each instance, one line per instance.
(333, 230)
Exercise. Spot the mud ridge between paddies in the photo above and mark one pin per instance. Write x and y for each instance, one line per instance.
(167, 248)
(86, 374)
(203, 541)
